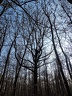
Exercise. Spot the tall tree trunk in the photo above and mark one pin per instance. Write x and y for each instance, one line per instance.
(14, 86)
(60, 66)
(58, 59)
(35, 79)
(5, 68)
(66, 58)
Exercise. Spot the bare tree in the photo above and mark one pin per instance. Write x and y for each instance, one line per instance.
(34, 58)
(59, 64)
(6, 64)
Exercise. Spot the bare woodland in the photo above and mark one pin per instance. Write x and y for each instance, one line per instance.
(35, 48)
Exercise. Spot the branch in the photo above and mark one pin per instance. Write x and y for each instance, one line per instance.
(29, 68)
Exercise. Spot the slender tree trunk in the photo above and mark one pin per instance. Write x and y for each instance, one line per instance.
(58, 59)
(60, 67)
(66, 58)
(5, 67)
(35, 79)
(14, 86)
